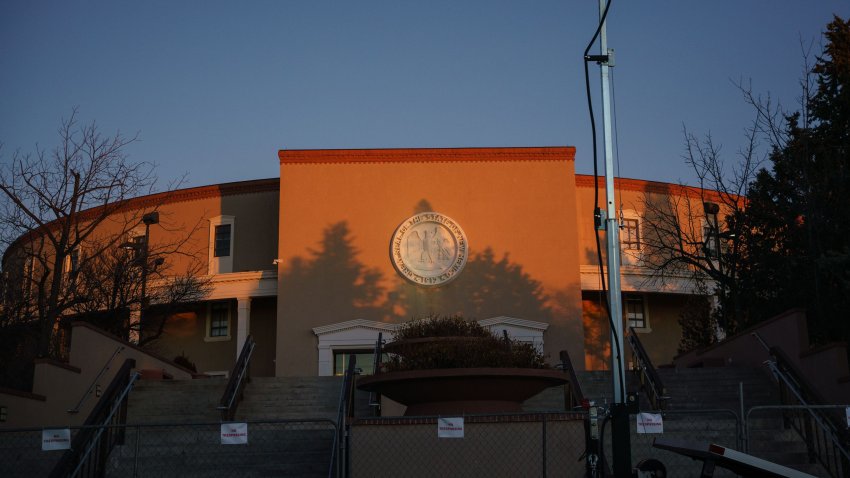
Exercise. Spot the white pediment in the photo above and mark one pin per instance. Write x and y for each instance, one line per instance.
(521, 323)
(355, 324)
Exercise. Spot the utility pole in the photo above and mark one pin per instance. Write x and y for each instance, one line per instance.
(620, 434)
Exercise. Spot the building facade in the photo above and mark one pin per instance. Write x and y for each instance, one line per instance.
(347, 244)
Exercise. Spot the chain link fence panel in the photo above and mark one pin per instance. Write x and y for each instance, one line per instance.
(721, 427)
(528, 445)
(273, 448)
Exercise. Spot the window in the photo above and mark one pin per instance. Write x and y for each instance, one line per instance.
(138, 242)
(222, 241)
(218, 321)
(710, 237)
(630, 234)
(29, 272)
(74, 260)
(221, 246)
(365, 361)
(635, 312)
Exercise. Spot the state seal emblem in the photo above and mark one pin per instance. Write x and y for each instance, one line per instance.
(429, 249)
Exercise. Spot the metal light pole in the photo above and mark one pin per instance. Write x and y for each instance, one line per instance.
(620, 433)
(148, 219)
(143, 251)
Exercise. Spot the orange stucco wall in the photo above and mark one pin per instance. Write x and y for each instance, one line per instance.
(517, 202)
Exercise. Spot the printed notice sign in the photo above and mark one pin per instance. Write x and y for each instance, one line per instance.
(450, 427)
(56, 439)
(234, 433)
(650, 423)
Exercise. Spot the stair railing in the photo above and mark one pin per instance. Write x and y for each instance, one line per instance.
(573, 396)
(103, 429)
(375, 397)
(236, 384)
(339, 462)
(103, 370)
(825, 433)
(650, 380)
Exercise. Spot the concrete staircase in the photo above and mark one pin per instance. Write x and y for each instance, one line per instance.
(175, 401)
(286, 434)
(279, 398)
(693, 392)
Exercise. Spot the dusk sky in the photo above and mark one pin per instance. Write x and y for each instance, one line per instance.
(215, 89)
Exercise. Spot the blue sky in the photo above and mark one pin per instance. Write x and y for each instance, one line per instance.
(214, 89)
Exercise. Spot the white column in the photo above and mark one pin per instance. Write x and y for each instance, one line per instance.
(243, 322)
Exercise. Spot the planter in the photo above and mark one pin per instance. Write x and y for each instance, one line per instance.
(462, 390)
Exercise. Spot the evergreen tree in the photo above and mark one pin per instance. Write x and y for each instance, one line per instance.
(797, 234)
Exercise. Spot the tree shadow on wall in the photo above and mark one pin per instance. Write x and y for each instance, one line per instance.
(332, 285)
(486, 288)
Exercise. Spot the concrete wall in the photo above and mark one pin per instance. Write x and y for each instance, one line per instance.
(264, 331)
(518, 202)
(824, 367)
(62, 386)
(186, 334)
(660, 339)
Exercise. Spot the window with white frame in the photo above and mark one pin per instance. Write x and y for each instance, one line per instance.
(630, 234)
(72, 261)
(635, 311)
(218, 321)
(222, 230)
(710, 237)
(630, 237)
(27, 280)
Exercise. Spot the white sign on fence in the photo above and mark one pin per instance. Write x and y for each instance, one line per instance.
(234, 433)
(650, 423)
(450, 427)
(56, 439)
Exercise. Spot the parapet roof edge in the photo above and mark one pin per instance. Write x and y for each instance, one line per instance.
(415, 155)
(645, 186)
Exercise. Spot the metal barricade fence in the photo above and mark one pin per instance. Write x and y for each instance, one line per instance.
(718, 426)
(274, 447)
(493, 445)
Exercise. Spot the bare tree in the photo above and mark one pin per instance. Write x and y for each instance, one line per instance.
(112, 285)
(63, 214)
(695, 232)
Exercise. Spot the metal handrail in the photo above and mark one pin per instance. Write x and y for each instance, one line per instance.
(647, 373)
(789, 378)
(103, 370)
(115, 406)
(236, 383)
(343, 415)
(574, 396)
(375, 397)
(83, 448)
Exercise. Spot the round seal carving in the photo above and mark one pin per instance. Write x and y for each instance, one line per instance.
(429, 249)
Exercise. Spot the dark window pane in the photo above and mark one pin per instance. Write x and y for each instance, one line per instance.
(219, 319)
(635, 312)
(222, 240)
(365, 361)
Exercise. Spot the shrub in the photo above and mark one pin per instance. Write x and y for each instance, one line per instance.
(459, 344)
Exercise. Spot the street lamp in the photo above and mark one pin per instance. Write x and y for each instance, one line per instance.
(142, 251)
